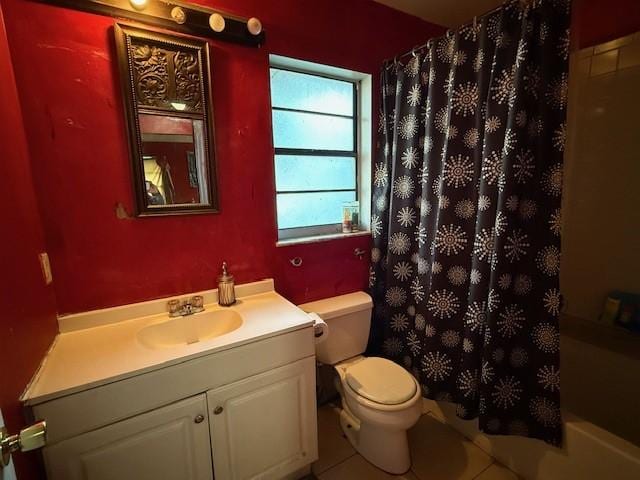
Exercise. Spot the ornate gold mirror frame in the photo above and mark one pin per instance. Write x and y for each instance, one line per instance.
(166, 82)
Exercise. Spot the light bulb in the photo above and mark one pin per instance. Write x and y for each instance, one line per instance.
(254, 26)
(138, 4)
(178, 14)
(216, 22)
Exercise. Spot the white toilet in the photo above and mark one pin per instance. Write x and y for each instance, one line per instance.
(380, 399)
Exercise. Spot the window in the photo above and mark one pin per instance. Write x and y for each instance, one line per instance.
(316, 117)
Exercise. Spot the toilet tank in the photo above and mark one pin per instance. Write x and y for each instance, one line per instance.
(349, 319)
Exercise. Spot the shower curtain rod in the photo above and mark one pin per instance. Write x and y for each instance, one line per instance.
(392, 61)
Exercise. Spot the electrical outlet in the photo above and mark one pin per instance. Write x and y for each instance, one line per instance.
(46, 268)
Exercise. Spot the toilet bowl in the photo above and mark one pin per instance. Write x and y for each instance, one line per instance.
(379, 430)
(380, 399)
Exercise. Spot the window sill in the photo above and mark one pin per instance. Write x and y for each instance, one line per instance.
(320, 238)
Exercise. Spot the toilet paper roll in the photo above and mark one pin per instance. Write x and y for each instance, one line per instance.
(320, 328)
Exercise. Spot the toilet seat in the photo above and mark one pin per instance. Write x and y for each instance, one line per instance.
(380, 381)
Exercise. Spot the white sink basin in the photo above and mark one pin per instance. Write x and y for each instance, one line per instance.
(190, 329)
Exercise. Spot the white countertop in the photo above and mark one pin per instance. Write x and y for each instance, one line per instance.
(83, 359)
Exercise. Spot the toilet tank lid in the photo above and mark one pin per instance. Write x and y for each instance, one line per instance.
(340, 305)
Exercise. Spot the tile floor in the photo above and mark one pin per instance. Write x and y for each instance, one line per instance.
(438, 452)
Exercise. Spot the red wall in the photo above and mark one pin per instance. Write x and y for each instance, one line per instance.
(27, 307)
(597, 21)
(67, 77)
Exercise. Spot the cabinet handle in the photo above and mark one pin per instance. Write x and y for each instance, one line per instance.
(218, 411)
(199, 419)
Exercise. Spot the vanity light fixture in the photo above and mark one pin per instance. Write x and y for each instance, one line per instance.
(254, 26)
(138, 4)
(217, 22)
(179, 15)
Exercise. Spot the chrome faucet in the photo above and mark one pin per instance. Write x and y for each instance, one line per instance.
(182, 308)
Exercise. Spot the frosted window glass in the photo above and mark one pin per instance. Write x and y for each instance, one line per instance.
(312, 131)
(300, 91)
(309, 209)
(295, 172)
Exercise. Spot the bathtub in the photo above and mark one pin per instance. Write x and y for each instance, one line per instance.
(600, 375)
(590, 452)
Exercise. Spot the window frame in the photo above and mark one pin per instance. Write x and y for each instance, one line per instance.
(306, 231)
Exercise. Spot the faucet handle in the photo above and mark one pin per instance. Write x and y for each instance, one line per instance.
(174, 307)
(197, 301)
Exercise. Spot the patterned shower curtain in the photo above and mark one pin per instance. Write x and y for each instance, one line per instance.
(466, 217)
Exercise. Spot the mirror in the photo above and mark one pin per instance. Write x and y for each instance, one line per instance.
(174, 162)
(167, 99)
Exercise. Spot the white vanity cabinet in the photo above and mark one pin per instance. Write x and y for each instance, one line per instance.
(265, 426)
(248, 412)
(171, 442)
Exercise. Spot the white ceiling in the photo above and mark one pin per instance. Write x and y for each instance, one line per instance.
(450, 13)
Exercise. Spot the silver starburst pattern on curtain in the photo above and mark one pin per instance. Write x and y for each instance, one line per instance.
(466, 217)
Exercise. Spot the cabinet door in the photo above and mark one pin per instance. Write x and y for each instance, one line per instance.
(171, 442)
(265, 426)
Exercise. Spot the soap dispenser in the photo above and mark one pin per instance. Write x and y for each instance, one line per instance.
(226, 288)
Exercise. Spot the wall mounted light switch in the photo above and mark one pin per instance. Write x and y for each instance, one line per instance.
(46, 268)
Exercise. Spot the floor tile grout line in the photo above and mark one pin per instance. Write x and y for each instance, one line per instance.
(493, 461)
(471, 442)
(416, 475)
(339, 463)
